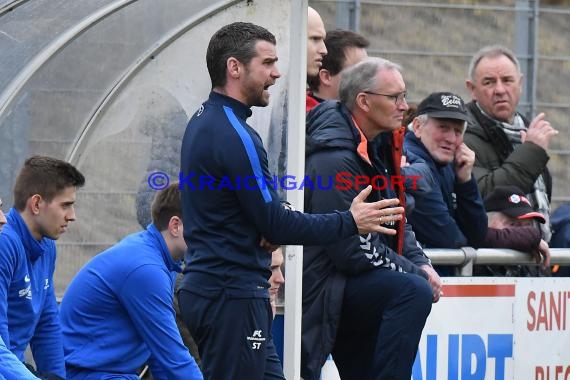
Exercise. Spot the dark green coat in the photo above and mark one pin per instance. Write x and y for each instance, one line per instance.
(496, 162)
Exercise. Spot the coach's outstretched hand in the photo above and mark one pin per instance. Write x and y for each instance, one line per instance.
(372, 217)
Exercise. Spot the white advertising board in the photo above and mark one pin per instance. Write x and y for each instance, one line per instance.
(495, 329)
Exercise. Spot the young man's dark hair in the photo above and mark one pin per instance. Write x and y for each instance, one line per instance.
(165, 205)
(45, 176)
(337, 41)
(234, 40)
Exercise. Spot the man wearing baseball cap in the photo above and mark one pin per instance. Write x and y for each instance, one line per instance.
(452, 215)
(514, 206)
(513, 224)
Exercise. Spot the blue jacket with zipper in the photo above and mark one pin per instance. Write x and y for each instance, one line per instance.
(229, 204)
(117, 313)
(28, 308)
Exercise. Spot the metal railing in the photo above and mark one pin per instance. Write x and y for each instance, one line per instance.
(464, 258)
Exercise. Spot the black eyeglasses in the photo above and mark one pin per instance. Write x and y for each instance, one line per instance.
(398, 98)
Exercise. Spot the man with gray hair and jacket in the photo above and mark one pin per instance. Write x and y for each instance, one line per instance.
(509, 149)
(365, 299)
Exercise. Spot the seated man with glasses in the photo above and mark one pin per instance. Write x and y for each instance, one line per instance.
(414, 189)
(365, 299)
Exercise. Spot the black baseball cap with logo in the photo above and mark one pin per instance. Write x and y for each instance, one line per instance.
(443, 105)
(510, 200)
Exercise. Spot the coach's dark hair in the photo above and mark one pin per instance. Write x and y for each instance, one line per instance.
(234, 40)
(45, 176)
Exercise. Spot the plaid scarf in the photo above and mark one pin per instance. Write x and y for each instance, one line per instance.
(538, 197)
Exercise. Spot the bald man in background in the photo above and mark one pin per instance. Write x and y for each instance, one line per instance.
(344, 49)
(316, 48)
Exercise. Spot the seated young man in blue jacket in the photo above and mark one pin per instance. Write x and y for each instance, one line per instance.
(44, 195)
(453, 214)
(117, 313)
(11, 367)
(362, 301)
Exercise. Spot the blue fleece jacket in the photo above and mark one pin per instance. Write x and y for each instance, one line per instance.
(229, 205)
(453, 214)
(10, 367)
(28, 308)
(117, 313)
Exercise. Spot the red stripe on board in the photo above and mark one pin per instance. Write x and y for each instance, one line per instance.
(479, 290)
